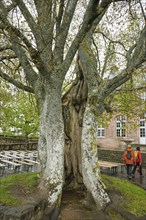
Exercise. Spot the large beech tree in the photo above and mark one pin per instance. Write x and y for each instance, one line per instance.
(36, 52)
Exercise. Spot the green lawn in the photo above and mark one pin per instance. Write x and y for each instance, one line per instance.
(10, 185)
(134, 197)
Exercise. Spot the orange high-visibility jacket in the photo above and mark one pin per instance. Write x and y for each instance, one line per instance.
(129, 161)
(139, 157)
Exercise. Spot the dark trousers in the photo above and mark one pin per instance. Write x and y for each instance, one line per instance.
(129, 169)
(135, 167)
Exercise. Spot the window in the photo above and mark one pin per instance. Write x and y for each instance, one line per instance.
(142, 123)
(142, 132)
(100, 131)
(142, 126)
(120, 126)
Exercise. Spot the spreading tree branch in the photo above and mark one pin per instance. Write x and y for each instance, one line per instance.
(45, 11)
(64, 27)
(94, 13)
(15, 82)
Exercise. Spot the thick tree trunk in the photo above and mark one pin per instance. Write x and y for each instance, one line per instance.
(81, 156)
(81, 159)
(90, 167)
(51, 143)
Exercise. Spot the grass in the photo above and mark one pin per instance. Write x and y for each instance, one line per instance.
(134, 196)
(10, 184)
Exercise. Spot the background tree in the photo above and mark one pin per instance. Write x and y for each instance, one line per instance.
(34, 43)
(18, 114)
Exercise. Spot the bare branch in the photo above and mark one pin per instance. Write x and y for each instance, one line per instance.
(59, 17)
(112, 41)
(32, 51)
(15, 82)
(140, 88)
(45, 11)
(26, 14)
(4, 48)
(139, 54)
(90, 19)
(7, 57)
(6, 25)
(62, 35)
(105, 60)
(97, 54)
(129, 52)
(144, 15)
(41, 37)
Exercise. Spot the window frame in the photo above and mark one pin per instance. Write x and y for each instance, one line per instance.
(120, 126)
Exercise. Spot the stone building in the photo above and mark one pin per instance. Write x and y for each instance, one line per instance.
(119, 132)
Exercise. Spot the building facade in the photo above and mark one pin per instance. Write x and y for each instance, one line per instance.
(120, 132)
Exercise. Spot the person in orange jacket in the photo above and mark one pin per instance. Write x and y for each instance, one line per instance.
(129, 160)
(138, 164)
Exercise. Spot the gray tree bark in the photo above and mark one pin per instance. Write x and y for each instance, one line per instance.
(51, 141)
(41, 58)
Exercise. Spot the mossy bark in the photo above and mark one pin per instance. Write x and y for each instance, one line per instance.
(73, 110)
(81, 156)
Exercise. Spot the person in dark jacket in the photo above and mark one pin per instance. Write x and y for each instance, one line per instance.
(138, 163)
(129, 161)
